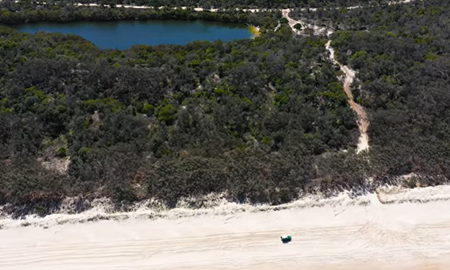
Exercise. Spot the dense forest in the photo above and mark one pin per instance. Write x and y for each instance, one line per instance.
(263, 120)
(251, 117)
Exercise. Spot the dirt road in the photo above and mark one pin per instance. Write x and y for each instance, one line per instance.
(343, 235)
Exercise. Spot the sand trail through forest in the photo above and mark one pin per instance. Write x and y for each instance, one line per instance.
(362, 120)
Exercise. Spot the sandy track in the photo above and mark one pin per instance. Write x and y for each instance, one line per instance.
(363, 120)
(405, 236)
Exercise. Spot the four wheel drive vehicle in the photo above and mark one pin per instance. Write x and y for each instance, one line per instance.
(286, 239)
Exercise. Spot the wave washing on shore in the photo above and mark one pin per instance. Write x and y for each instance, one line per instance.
(217, 205)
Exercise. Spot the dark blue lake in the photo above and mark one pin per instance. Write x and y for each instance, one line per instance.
(124, 34)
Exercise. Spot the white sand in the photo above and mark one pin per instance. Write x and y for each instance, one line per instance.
(342, 234)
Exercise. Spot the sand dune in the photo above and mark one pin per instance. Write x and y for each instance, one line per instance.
(344, 233)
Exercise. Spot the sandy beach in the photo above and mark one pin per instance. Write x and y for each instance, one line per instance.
(394, 230)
